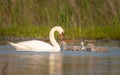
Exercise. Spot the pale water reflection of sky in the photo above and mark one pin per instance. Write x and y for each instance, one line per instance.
(62, 63)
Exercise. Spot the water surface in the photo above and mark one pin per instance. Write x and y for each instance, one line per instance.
(62, 63)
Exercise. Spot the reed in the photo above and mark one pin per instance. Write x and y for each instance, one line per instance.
(42, 32)
(88, 19)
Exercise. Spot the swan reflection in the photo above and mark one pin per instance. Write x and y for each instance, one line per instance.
(35, 64)
(55, 64)
(58, 64)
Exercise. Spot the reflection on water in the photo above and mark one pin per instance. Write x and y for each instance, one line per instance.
(55, 64)
(33, 64)
(92, 65)
(62, 63)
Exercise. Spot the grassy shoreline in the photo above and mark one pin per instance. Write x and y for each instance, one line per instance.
(81, 19)
(71, 32)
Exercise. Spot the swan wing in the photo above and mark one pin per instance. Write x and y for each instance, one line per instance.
(35, 45)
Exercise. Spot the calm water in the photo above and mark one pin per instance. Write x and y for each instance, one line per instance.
(62, 63)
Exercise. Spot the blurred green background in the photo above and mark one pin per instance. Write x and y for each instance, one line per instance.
(81, 19)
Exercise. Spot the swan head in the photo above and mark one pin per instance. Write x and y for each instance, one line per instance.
(60, 30)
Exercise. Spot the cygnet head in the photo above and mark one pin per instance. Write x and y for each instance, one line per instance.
(82, 43)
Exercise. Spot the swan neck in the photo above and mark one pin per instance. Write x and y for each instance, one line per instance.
(52, 39)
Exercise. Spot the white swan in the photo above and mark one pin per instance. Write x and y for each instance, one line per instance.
(40, 46)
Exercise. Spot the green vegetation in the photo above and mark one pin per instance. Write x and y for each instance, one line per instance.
(42, 32)
(111, 32)
(81, 19)
(25, 31)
